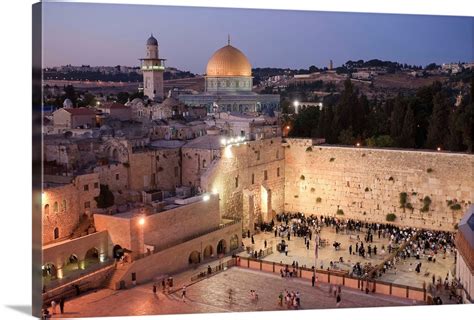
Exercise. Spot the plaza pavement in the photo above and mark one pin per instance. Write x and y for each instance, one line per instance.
(404, 275)
(211, 295)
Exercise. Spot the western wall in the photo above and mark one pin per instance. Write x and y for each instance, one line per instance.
(368, 184)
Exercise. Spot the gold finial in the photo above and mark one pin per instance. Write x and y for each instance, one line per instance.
(228, 39)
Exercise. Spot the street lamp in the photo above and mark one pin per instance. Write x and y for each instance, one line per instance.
(141, 221)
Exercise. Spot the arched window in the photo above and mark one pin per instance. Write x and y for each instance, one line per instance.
(46, 209)
(203, 163)
(64, 205)
(56, 233)
(55, 207)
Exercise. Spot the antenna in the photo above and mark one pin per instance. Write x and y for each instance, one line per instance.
(228, 39)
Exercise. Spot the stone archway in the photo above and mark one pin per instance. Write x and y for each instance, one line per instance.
(50, 272)
(194, 257)
(91, 257)
(208, 252)
(117, 252)
(222, 247)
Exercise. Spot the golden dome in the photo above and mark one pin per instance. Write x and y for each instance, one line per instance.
(228, 61)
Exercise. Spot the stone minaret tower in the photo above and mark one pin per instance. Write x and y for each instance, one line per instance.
(153, 67)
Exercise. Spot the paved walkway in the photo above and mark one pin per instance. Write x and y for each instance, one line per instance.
(211, 295)
(405, 274)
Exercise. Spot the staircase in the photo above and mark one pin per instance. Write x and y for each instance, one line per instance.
(113, 281)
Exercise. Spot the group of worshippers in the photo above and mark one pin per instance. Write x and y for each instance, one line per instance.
(292, 299)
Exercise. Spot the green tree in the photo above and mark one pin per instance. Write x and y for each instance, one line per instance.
(397, 117)
(437, 130)
(407, 137)
(106, 197)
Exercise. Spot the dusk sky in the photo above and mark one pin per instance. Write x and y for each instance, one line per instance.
(104, 34)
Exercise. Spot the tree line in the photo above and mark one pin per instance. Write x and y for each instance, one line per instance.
(428, 119)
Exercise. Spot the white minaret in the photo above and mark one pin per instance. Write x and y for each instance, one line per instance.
(153, 67)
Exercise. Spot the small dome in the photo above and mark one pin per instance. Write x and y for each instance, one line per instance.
(67, 103)
(152, 41)
(228, 61)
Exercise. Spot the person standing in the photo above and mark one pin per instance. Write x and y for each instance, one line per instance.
(53, 307)
(265, 243)
(253, 240)
(61, 305)
(183, 294)
(350, 249)
(338, 300)
(154, 289)
(307, 245)
(286, 250)
(313, 280)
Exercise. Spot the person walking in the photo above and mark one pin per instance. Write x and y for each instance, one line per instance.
(338, 300)
(313, 280)
(61, 305)
(265, 243)
(163, 285)
(286, 250)
(253, 240)
(307, 245)
(350, 249)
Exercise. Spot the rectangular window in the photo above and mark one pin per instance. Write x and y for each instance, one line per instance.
(278, 172)
(265, 175)
(117, 176)
(87, 204)
(96, 185)
(253, 178)
(236, 182)
(86, 187)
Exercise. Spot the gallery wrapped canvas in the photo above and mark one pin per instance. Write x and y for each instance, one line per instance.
(200, 160)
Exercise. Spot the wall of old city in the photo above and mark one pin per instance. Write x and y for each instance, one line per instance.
(172, 226)
(245, 177)
(155, 169)
(366, 183)
(64, 203)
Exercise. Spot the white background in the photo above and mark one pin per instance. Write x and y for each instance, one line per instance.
(15, 154)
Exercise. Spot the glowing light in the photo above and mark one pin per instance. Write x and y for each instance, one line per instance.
(296, 103)
(141, 221)
(43, 197)
(358, 144)
(287, 127)
(228, 152)
(223, 142)
(214, 190)
(60, 273)
(439, 149)
(206, 197)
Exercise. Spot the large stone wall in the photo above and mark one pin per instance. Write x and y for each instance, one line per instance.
(366, 183)
(241, 196)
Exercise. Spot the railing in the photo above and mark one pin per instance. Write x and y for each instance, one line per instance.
(212, 271)
(338, 278)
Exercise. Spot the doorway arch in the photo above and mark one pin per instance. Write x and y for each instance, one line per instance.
(91, 257)
(208, 252)
(194, 257)
(221, 247)
(118, 252)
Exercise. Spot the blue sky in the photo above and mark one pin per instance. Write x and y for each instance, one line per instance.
(107, 34)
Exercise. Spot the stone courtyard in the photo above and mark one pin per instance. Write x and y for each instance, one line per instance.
(211, 295)
(404, 274)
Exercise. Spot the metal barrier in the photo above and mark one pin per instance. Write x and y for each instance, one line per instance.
(338, 278)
